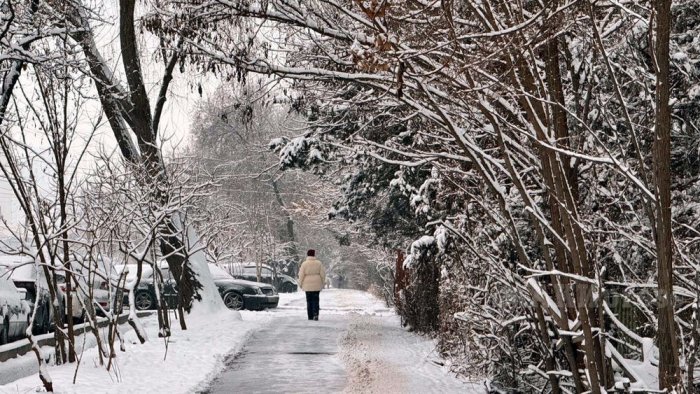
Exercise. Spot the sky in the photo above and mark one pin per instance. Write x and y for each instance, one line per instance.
(182, 102)
(183, 97)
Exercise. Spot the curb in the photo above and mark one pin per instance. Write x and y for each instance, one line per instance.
(21, 347)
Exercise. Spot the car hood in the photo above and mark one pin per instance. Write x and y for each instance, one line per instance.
(241, 282)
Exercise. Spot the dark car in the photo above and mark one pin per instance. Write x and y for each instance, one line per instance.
(283, 283)
(243, 294)
(145, 293)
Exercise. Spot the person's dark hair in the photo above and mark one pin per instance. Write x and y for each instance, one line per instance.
(311, 253)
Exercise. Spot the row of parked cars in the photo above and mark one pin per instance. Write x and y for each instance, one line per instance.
(23, 288)
(236, 293)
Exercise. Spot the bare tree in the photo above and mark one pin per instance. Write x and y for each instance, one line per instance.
(40, 164)
(131, 118)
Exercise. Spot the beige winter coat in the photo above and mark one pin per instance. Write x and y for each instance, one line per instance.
(312, 275)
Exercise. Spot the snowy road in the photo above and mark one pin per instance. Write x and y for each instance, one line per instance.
(357, 346)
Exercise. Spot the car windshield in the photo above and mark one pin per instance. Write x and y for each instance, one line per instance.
(218, 272)
(250, 271)
(253, 270)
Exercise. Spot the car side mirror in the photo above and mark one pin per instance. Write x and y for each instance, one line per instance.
(22, 293)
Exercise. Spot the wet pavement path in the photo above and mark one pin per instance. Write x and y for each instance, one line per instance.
(357, 347)
(291, 355)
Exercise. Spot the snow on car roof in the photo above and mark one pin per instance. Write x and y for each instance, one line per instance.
(146, 271)
(18, 268)
(7, 289)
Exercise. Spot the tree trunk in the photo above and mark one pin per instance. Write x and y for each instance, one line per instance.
(292, 251)
(669, 370)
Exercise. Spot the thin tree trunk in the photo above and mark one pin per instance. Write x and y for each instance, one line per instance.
(669, 369)
(291, 237)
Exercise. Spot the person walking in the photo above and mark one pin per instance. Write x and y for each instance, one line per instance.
(312, 276)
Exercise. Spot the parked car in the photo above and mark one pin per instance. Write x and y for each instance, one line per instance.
(283, 283)
(100, 294)
(91, 296)
(24, 274)
(243, 294)
(92, 286)
(14, 311)
(144, 293)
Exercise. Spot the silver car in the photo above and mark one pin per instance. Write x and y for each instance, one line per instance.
(29, 279)
(14, 311)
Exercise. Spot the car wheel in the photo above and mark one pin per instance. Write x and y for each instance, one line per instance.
(143, 301)
(288, 288)
(233, 301)
(5, 333)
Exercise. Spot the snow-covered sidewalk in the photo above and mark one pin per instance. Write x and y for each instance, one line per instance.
(374, 353)
(190, 360)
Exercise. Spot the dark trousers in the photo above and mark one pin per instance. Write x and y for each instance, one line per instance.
(312, 304)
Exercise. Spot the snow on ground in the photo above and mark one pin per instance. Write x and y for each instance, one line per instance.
(377, 354)
(339, 301)
(382, 357)
(189, 357)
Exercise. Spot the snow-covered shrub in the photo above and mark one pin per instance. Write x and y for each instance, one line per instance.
(419, 308)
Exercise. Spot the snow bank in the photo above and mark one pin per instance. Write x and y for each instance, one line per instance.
(185, 364)
(211, 301)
